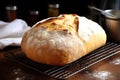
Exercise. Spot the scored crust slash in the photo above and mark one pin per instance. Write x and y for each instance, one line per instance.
(61, 40)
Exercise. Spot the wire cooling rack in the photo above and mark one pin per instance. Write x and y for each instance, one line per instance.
(63, 72)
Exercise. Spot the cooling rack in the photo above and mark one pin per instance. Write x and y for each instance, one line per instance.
(66, 71)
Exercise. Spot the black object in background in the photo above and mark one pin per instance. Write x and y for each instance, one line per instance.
(66, 6)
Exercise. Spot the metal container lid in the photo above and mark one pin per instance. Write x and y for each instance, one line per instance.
(11, 7)
(115, 13)
(34, 12)
(53, 5)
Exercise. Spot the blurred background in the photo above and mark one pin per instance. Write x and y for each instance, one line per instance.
(34, 10)
(25, 9)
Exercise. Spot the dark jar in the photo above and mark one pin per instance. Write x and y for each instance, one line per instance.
(53, 10)
(11, 13)
(33, 17)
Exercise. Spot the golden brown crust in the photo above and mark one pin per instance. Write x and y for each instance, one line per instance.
(62, 40)
(65, 21)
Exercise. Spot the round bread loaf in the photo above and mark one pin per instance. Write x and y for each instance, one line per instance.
(61, 40)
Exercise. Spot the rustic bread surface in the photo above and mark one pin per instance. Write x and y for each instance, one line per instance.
(61, 40)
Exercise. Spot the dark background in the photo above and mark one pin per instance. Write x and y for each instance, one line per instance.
(24, 6)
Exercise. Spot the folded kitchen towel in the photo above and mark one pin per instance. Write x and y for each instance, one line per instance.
(11, 33)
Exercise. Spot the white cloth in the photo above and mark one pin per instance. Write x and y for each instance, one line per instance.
(11, 33)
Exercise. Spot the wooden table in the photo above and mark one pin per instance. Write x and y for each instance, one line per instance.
(108, 69)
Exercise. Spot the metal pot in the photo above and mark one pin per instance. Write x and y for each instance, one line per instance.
(110, 21)
(112, 25)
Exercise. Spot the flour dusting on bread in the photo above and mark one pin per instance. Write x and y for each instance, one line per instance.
(61, 40)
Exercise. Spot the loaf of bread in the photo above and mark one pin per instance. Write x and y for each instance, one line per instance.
(61, 40)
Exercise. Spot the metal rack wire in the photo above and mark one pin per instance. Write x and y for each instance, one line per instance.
(63, 72)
